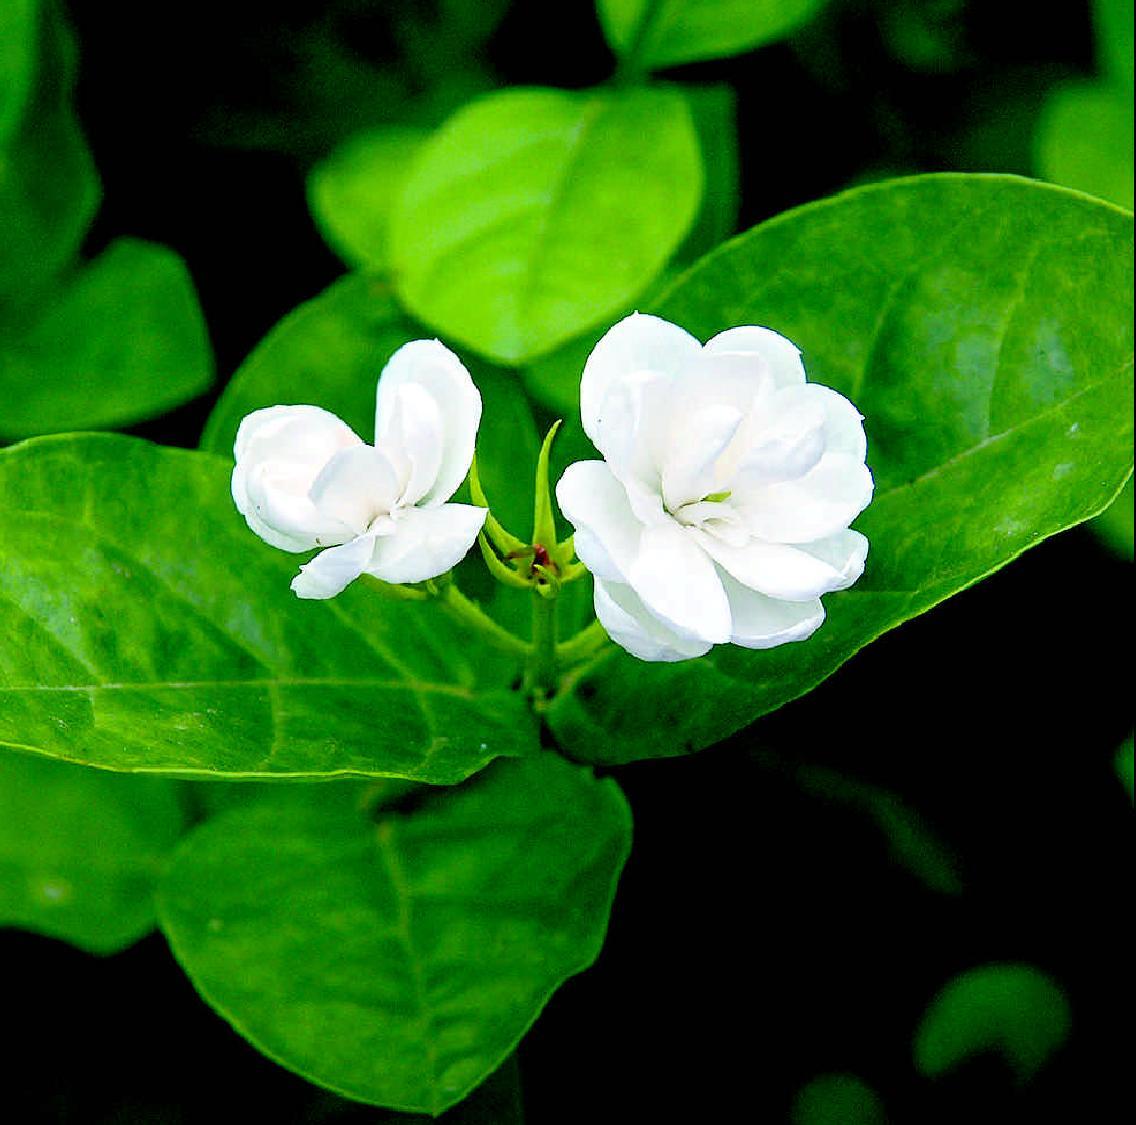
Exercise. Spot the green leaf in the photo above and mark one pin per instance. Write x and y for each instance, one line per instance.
(18, 41)
(1014, 1010)
(120, 340)
(983, 325)
(398, 957)
(656, 33)
(1084, 140)
(49, 190)
(1114, 526)
(714, 109)
(352, 192)
(837, 1099)
(147, 629)
(535, 213)
(1124, 769)
(1114, 28)
(81, 850)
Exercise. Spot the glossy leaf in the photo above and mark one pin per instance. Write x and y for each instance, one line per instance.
(659, 33)
(352, 192)
(147, 629)
(118, 341)
(1084, 140)
(398, 957)
(49, 189)
(534, 213)
(81, 850)
(1014, 1010)
(983, 325)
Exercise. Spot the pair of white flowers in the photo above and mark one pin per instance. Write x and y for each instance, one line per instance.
(719, 513)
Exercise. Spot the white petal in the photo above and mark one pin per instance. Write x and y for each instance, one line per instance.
(430, 365)
(635, 345)
(793, 573)
(356, 487)
(783, 439)
(760, 621)
(632, 626)
(595, 503)
(426, 542)
(633, 428)
(279, 453)
(679, 583)
(843, 423)
(689, 465)
(764, 349)
(334, 569)
(413, 439)
(821, 503)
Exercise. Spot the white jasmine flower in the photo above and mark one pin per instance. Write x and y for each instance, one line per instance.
(720, 511)
(304, 479)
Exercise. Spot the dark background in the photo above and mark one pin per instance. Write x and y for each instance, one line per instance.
(762, 934)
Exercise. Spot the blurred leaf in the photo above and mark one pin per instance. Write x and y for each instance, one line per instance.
(119, 340)
(715, 118)
(148, 630)
(837, 1099)
(925, 35)
(1113, 20)
(1114, 525)
(660, 33)
(1124, 767)
(1084, 140)
(18, 42)
(1013, 1010)
(534, 213)
(983, 325)
(81, 850)
(398, 959)
(352, 192)
(49, 190)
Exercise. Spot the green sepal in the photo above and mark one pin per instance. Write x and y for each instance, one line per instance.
(544, 524)
(500, 570)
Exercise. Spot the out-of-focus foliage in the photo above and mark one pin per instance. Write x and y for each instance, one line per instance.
(1015, 1011)
(1124, 767)
(81, 850)
(18, 35)
(658, 33)
(837, 1099)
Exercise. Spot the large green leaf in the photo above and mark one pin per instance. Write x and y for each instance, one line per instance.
(983, 325)
(1114, 32)
(398, 956)
(1015, 1010)
(81, 850)
(121, 340)
(147, 629)
(534, 213)
(18, 42)
(49, 189)
(658, 33)
(352, 192)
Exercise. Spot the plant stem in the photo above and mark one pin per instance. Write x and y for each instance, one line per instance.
(473, 617)
(587, 642)
(540, 675)
(630, 69)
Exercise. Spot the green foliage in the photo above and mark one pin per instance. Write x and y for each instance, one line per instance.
(1124, 768)
(398, 956)
(715, 117)
(18, 39)
(657, 33)
(49, 189)
(149, 630)
(1114, 29)
(1014, 1010)
(119, 340)
(983, 326)
(535, 213)
(352, 192)
(837, 1099)
(81, 850)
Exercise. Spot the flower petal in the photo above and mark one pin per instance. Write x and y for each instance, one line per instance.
(760, 621)
(793, 573)
(331, 571)
(414, 440)
(821, 503)
(356, 487)
(679, 583)
(689, 465)
(635, 345)
(758, 349)
(632, 626)
(426, 542)
(595, 503)
(430, 365)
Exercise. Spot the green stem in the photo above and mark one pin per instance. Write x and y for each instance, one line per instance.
(456, 605)
(630, 71)
(540, 675)
(584, 644)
